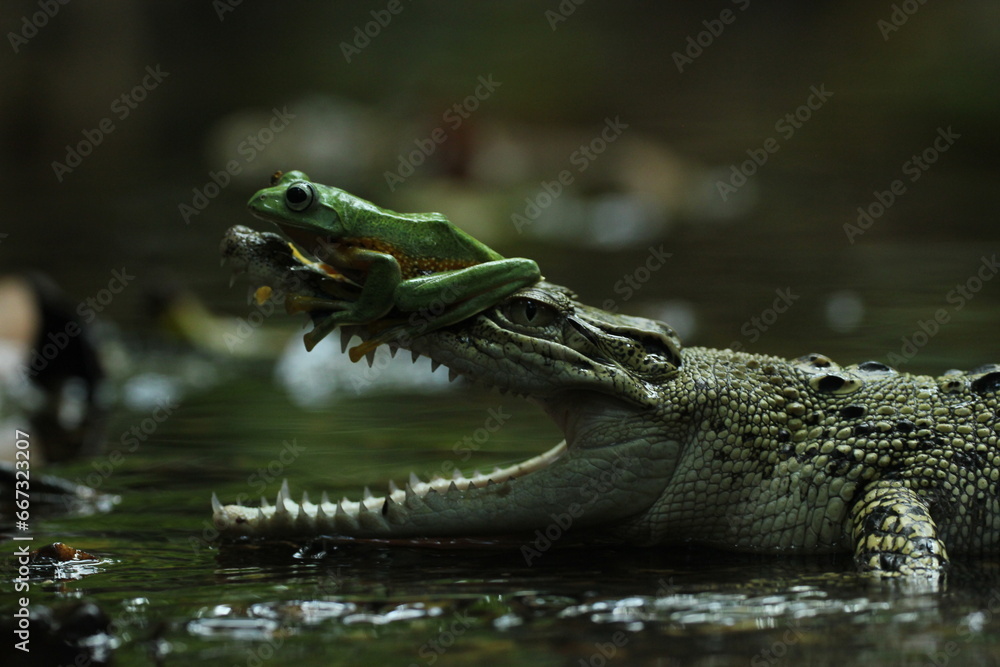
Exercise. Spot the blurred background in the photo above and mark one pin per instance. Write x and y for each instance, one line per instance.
(132, 134)
(780, 177)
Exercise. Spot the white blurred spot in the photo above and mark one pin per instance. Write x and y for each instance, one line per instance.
(147, 391)
(844, 311)
(679, 315)
(313, 379)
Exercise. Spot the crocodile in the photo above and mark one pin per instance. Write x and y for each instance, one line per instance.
(670, 444)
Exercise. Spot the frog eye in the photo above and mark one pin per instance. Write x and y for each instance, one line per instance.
(299, 196)
(530, 313)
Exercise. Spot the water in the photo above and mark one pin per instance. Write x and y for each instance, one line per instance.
(173, 595)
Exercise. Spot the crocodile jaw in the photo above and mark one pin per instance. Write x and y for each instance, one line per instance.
(580, 484)
(595, 477)
(435, 504)
(561, 487)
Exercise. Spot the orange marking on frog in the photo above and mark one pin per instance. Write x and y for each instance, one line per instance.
(410, 266)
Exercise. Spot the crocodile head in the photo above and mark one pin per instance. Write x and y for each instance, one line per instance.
(596, 374)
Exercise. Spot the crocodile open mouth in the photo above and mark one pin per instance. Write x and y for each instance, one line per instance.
(265, 260)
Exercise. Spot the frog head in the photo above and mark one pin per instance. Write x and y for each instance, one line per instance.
(308, 213)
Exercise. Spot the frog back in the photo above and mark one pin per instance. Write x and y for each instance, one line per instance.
(421, 242)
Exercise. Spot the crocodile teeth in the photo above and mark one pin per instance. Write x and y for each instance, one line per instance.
(435, 365)
(412, 499)
(372, 514)
(435, 500)
(453, 375)
(343, 520)
(355, 330)
(415, 355)
(393, 511)
(393, 349)
(345, 340)
(371, 519)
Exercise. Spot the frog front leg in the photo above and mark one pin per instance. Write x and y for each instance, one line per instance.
(375, 300)
(447, 297)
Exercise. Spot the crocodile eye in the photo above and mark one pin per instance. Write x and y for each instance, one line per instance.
(530, 313)
(299, 196)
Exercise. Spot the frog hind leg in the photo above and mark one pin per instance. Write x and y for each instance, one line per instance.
(459, 294)
(895, 535)
(373, 302)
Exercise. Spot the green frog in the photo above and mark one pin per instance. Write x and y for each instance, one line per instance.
(419, 264)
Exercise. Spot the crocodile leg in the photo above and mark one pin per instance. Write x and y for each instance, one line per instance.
(894, 533)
